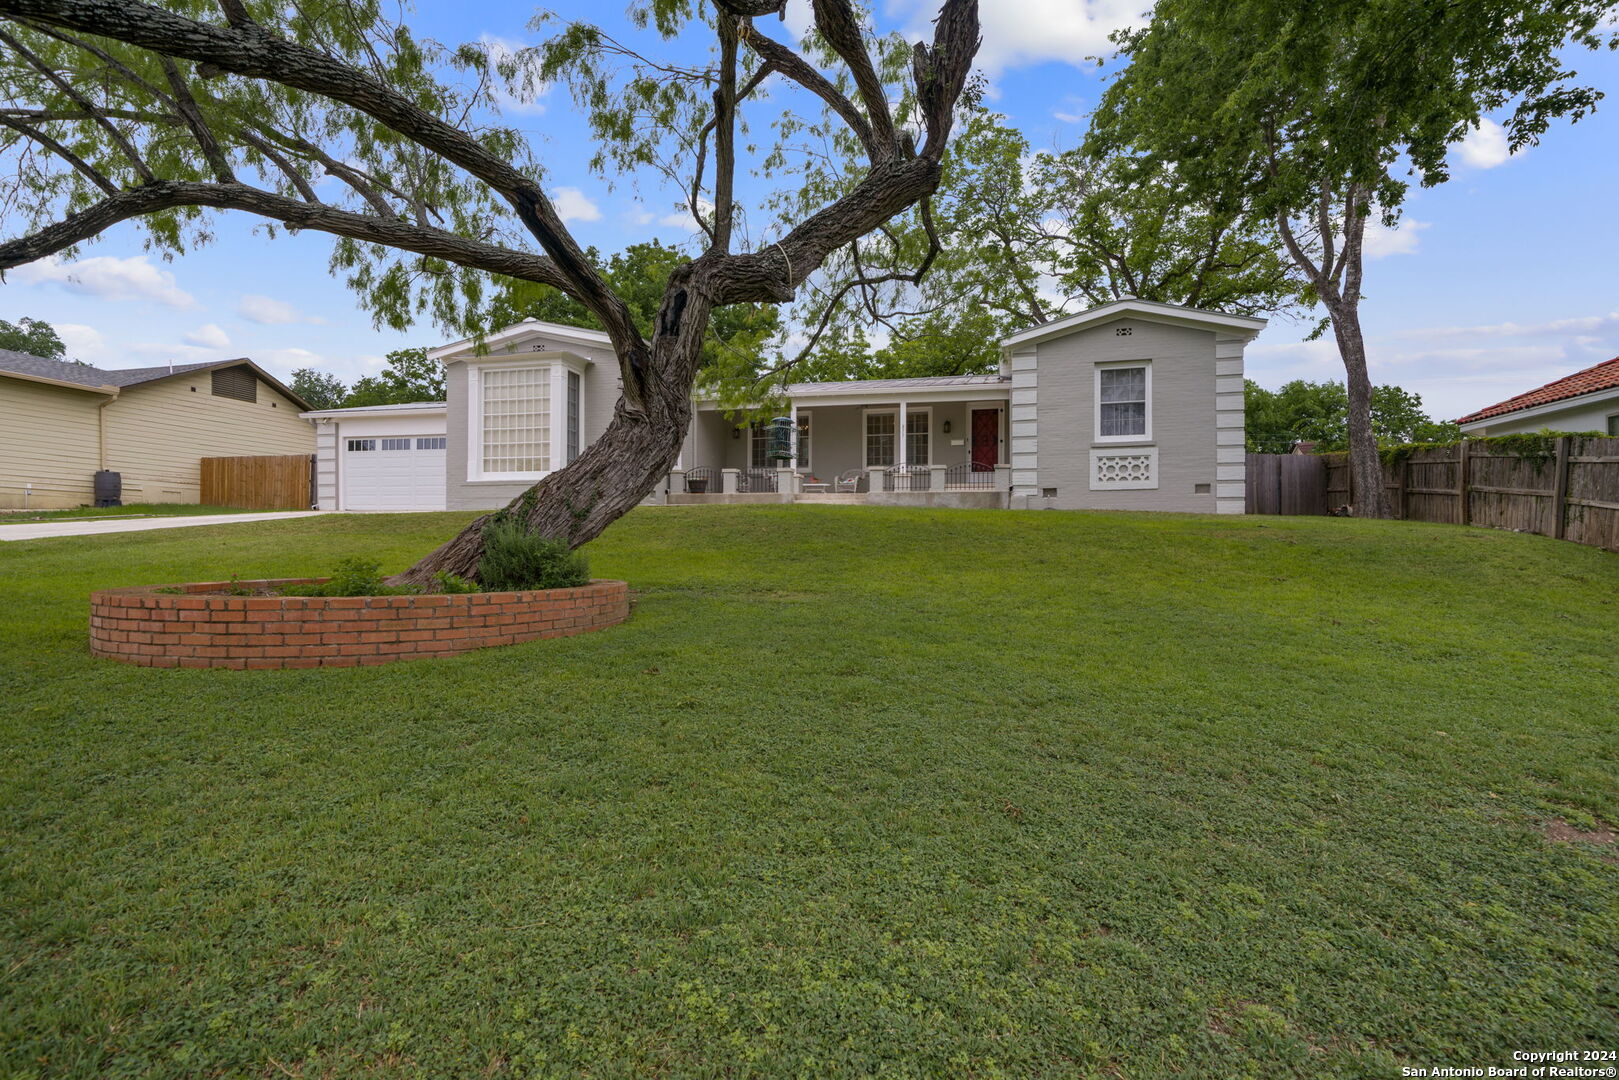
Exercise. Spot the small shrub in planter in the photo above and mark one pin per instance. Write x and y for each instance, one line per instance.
(516, 560)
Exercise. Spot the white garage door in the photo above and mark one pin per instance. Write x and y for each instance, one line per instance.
(404, 472)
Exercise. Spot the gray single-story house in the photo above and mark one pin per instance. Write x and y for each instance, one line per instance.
(1132, 405)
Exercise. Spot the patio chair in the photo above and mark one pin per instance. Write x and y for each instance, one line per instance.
(849, 481)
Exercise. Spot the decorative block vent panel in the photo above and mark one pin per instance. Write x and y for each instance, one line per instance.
(1123, 470)
(1123, 331)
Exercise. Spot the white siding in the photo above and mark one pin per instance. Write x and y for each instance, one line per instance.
(48, 439)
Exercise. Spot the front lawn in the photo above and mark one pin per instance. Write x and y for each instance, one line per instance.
(854, 792)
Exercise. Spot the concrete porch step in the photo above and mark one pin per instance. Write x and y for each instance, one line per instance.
(845, 498)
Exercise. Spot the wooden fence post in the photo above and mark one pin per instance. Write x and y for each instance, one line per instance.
(1464, 512)
(1402, 481)
(1560, 489)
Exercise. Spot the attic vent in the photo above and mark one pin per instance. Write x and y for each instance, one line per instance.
(236, 382)
(1123, 331)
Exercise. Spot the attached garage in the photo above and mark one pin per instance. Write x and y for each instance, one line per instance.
(381, 458)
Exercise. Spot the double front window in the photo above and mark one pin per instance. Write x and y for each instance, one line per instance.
(882, 434)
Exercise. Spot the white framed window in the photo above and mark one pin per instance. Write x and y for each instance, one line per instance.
(759, 446)
(358, 446)
(437, 443)
(1613, 425)
(515, 422)
(1124, 402)
(919, 437)
(880, 429)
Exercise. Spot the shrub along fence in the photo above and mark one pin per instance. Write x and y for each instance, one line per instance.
(1563, 486)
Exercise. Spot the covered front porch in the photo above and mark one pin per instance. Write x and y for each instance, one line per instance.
(850, 446)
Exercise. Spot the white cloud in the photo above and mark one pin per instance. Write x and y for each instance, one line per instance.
(1382, 241)
(83, 342)
(574, 205)
(682, 219)
(110, 278)
(210, 335)
(269, 311)
(1033, 31)
(1485, 146)
(1071, 110)
(1582, 326)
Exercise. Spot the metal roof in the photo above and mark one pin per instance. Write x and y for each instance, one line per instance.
(931, 382)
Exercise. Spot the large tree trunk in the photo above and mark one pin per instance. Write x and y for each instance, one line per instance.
(1365, 463)
(615, 472)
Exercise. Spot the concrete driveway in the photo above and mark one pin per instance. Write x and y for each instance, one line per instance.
(39, 530)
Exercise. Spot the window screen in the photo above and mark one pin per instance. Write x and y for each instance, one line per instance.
(517, 420)
(1123, 409)
(880, 429)
(236, 382)
(916, 438)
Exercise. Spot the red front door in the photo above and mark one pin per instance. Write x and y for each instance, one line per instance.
(986, 439)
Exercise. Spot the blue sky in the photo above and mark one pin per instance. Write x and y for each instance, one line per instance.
(1498, 281)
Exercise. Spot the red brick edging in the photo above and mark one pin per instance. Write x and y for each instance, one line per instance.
(168, 629)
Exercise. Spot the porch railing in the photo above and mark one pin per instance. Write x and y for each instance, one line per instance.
(908, 478)
(756, 481)
(971, 475)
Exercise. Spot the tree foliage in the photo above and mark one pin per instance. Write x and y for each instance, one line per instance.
(409, 377)
(32, 336)
(335, 117)
(1304, 113)
(1024, 237)
(739, 336)
(1318, 412)
(321, 389)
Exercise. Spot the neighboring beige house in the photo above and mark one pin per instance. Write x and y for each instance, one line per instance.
(1133, 405)
(61, 423)
(1587, 400)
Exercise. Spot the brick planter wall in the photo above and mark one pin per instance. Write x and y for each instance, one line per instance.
(166, 629)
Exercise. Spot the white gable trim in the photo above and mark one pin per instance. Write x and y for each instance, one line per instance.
(1149, 310)
(513, 336)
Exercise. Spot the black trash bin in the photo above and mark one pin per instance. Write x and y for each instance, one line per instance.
(109, 488)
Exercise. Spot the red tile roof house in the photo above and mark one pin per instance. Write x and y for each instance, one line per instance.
(1584, 401)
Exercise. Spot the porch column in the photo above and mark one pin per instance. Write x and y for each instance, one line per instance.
(792, 411)
(899, 448)
(936, 477)
(677, 480)
(728, 481)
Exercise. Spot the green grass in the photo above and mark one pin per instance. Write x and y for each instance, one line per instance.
(95, 513)
(854, 792)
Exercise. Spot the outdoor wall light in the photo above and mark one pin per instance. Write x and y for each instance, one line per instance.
(947, 427)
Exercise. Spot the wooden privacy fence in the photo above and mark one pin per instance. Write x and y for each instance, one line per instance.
(1565, 486)
(259, 483)
(1286, 484)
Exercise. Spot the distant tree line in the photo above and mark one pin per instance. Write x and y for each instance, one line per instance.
(1318, 413)
(409, 377)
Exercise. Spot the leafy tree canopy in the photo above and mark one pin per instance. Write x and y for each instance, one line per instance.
(32, 336)
(1318, 412)
(1019, 238)
(409, 377)
(740, 337)
(320, 389)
